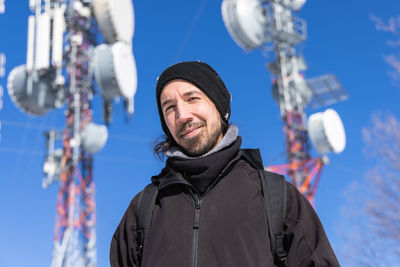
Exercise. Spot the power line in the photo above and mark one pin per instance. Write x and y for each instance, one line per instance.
(190, 29)
(22, 124)
(30, 125)
(35, 152)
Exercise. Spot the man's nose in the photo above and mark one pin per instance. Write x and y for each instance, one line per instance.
(182, 114)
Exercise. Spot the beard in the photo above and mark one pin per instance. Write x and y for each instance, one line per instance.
(201, 143)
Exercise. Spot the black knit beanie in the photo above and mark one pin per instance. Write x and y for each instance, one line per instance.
(202, 76)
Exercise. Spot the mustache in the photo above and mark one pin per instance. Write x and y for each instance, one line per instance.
(189, 125)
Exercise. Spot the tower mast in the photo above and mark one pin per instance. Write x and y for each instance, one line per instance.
(292, 95)
(62, 60)
(270, 26)
(75, 235)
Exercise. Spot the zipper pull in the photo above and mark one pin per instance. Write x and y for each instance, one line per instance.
(196, 221)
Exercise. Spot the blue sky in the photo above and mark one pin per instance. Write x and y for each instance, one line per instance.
(341, 40)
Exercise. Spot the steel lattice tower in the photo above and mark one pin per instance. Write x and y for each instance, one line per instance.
(63, 61)
(292, 95)
(270, 26)
(75, 236)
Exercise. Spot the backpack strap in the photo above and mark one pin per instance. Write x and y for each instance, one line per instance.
(274, 190)
(146, 204)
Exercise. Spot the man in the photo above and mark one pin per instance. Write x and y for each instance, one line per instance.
(209, 209)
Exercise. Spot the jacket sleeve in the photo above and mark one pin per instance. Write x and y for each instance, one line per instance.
(123, 243)
(305, 235)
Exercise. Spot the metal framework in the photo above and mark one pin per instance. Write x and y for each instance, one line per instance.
(326, 90)
(62, 58)
(271, 26)
(75, 236)
(292, 95)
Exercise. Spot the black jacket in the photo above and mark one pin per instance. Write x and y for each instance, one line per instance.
(225, 227)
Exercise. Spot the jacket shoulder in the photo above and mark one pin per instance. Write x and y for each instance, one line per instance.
(123, 243)
(253, 157)
(305, 233)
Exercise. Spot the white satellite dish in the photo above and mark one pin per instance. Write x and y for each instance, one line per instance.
(296, 4)
(115, 70)
(245, 22)
(94, 137)
(326, 132)
(36, 100)
(115, 18)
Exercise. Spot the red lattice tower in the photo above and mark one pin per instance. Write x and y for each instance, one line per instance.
(304, 172)
(75, 236)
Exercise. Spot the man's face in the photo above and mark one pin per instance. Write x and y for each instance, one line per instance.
(191, 117)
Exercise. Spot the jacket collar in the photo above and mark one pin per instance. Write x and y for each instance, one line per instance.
(253, 157)
(169, 177)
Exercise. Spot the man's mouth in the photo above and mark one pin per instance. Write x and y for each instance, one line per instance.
(190, 130)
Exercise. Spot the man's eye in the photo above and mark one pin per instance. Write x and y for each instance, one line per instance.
(170, 107)
(191, 99)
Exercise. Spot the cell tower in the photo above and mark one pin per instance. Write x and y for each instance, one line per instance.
(63, 57)
(270, 26)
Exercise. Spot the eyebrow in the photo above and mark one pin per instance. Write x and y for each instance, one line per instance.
(186, 94)
(189, 93)
(166, 102)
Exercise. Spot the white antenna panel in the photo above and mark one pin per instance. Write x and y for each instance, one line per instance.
(58, 34)
(130, 108)
(302, 88)
(1, 97)
(245, 22)
(39, 101)
(2, 64)
(2, 6)
(125, 69)
(32, 4)
(296, 4)
(115, 18)
(326, 132)
(301, 63)
(115, 70)
(42, 48)
(30, 44)
(94, 137)
(326, 90)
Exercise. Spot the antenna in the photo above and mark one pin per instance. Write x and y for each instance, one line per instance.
(2, 6)
(258, 24)
(62, 60)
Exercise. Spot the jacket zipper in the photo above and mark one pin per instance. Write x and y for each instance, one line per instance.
(196, 226)
(196, 220)
(197, 202)
(221, 174)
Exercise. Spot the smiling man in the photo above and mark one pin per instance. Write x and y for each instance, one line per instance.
(209, 206)
(191, 117)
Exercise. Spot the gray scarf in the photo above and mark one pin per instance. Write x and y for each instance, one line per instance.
(229, 137)
(203, 170)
